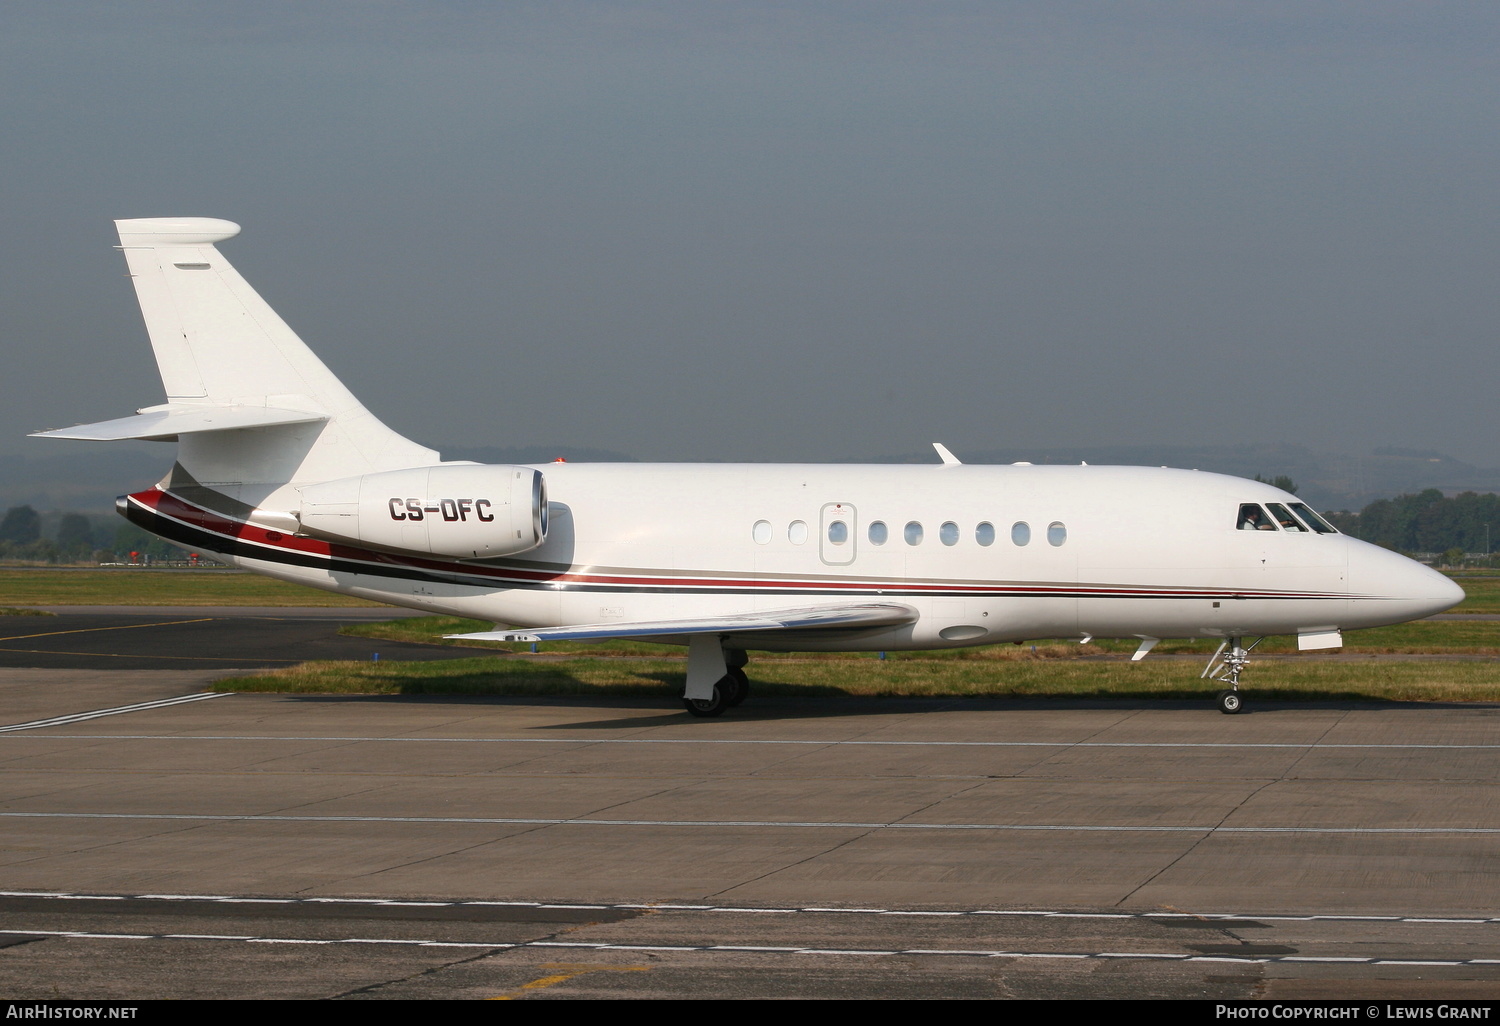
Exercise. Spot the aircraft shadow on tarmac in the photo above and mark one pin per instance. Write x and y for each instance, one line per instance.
(783, 707)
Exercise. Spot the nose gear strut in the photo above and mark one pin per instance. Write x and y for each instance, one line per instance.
(1226, 664)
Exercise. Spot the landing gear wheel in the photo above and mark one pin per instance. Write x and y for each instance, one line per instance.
(715, 706)
(739, 686)
(1229, 702)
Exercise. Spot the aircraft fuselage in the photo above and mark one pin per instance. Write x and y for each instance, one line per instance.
(984, 554)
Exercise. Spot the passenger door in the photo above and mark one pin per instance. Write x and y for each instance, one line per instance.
(836, 539)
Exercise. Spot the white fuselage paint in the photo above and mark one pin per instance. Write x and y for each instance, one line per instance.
(1148, 553)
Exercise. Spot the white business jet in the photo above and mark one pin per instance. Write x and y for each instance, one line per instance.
(280, 470)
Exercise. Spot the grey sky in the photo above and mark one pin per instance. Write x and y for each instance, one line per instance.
(789, 231)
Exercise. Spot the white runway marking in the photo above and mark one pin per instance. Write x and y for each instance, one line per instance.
(57, 721)
(753, 823)
(585, 741)
(1159, 956)
(1228, 917)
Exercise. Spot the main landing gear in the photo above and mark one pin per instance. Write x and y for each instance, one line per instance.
(730, 689)
(1225, 666)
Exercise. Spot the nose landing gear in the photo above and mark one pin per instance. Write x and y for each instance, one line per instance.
(1226, 665)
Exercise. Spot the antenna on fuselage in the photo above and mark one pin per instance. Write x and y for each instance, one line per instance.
(946, 456)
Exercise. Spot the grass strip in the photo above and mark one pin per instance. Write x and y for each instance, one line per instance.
(140, 587)
(1482, 589)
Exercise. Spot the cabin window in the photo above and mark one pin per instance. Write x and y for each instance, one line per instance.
(913, 533)
(1284, 518)
(797, 532)
(948, 533)
(1020, 532)
(838, 532)
(1312, 520)
(1253, 518)
(984, 534)
(879, 533)
(1057, 533)
(761, 532)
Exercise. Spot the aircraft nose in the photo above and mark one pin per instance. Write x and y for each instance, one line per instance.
(1450, 595)
(1400, 589)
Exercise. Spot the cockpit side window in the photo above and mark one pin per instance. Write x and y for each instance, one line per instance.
(1253, 518)
(1312, 520)
(1284, 518)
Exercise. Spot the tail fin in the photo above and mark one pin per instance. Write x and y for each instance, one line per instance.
(247, 400)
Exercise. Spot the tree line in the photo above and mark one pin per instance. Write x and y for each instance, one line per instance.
(1428, 521)
(76, 538)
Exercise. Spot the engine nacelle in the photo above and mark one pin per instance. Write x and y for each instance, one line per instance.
(466, 512)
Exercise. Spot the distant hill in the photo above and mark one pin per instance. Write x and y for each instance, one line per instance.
(88, 481)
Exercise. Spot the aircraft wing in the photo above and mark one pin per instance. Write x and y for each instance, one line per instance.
(812, 618)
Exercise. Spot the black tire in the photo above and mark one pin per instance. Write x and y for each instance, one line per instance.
(740, 689)
(706, 707)
(1230, 702)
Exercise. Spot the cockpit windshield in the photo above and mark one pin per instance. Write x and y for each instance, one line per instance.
(1285, 519)
(1312, 520)
(1276, 516)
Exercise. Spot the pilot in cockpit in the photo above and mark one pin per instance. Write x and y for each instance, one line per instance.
(1253, 518)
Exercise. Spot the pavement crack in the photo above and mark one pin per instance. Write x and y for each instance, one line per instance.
(1190, 849)
(1313, 745)
(487, 953)
(1241, 804)
(1068, 746)
(861, 835)
(432, 970)
(444, 854)
(312, 802)
(116, 842)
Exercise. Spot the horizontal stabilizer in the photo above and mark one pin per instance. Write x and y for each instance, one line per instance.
(813, 618)
(165, 423)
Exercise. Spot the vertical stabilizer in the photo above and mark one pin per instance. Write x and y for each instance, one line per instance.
(219, 345)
